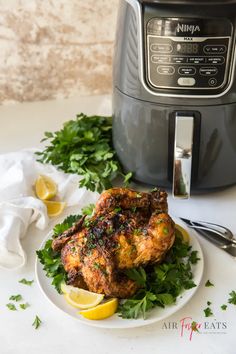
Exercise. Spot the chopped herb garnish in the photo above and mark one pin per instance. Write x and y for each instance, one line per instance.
(165, 230)
(208, 303)
(88, 210)
(208, 283)
(26, 282)
(194, 326)
(15, 297)
(232, 299)
(96, 265)
(24, 306)
(208, 312)
(137, 232)
(37, 322)
(223, 307)
(11, 307)
(117, 210)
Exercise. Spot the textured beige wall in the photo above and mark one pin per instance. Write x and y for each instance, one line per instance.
(55, 48)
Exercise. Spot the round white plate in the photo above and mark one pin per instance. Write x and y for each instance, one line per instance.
(155, 315)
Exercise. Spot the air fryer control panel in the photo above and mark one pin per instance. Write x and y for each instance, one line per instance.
(188, 54)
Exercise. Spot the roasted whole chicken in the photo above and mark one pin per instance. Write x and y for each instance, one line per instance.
(128, 229)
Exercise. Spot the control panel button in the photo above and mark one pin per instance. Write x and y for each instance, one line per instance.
(177, 60)
(160, 59)
(186, 70)
(196, 60)
(214, 49)
(161, 47)
(186, 81)
(215, 60)
(165, 70)
(212, 81)
(207, 71)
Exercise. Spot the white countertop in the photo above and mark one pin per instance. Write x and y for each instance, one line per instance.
(23, 126)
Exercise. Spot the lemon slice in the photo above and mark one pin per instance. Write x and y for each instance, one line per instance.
(183, 233)
(81, 298)
(100, 312)
(45, 187)
(67, 288)
(54, 208)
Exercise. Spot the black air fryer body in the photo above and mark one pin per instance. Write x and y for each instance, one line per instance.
(174, 99)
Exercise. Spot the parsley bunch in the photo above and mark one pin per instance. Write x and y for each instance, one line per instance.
(161, 284)
(84, 146)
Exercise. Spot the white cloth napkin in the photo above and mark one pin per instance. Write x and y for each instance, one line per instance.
(19, 206)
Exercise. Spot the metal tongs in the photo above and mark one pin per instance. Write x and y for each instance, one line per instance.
(219, 235)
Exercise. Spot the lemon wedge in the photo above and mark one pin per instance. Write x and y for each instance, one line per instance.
(80, 298)
(183, 233)
(45, 187)
(102, 311)
(54, 208)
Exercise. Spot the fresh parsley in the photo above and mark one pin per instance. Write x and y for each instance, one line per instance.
(65, 225)
(208, 303)
(15, 297)
(161, 284)
(84, 146)
(37, 322)
(88, 210)
(232, 299)
(208, 312)
(194, 326)
(208, 283)
(223, 307)
(52, 264)
(24, 306)
(26, 282)
(51, 259)
(11, 307)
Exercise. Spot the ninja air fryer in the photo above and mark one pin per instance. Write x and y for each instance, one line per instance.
(174, 94)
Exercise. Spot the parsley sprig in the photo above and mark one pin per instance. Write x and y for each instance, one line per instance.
(84, 146)
(51, 259)
(26, 282)
(37, 322)
(160, 284)
(232, 299)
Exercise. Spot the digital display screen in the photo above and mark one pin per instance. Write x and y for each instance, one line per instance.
(187, 48)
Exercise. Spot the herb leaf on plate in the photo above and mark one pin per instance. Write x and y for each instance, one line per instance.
(208, 283)
(15, 297)
(232, 299)
(208, 312)
(161, 284)
(65, 225)
(37, 322)
(84, 146)
(11, 307)
(26, 282)
(51, 259)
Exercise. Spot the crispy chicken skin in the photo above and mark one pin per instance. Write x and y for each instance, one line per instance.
(128, 229)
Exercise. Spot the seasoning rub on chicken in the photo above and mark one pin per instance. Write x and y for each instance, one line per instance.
(128, 229)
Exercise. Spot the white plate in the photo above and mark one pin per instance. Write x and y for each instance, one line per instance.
(155, 315)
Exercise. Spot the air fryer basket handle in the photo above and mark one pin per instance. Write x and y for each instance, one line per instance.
(182, 163)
